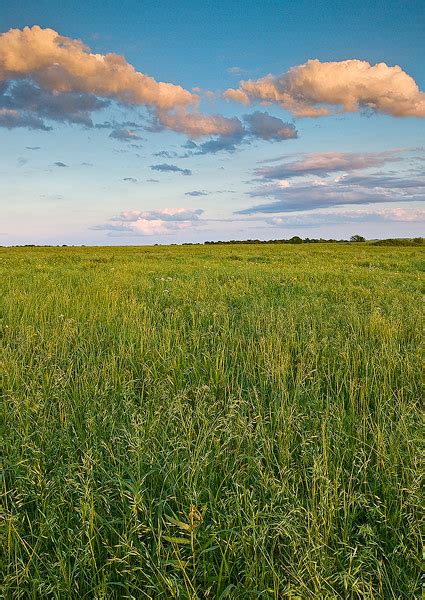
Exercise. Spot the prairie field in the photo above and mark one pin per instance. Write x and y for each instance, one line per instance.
(212, 422)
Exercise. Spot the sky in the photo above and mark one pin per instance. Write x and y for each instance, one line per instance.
(145, 122)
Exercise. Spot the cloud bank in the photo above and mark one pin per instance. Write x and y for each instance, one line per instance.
(321, 194)
(323, 163)
(331, 179)
(398, 215)
(317, 89)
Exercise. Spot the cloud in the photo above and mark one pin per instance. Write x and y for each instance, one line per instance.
(317, 219)
(60, 164)
(130, 179)
(44, 75)
(266, 127)
(190, 145)
(10, 119)
(124, 135)
(158, 222)
(70, 107)
(197, 125)
(32, 147)
(165, 154)
(382, 180)
(196, 193)
(219, 144)
(157, 227)
(309, 195)
(258, 125)
(61, 64)
(318, 88)
(324, 163)
(165, 167)
(238, 95)
(69, 82)
(165, 214)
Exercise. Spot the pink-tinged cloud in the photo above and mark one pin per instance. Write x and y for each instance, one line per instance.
(324, 163)
(317, 89)
(197, 125)
(237, 95)
(62, 64)
(152, 222)
(157, 226)
(164, 214)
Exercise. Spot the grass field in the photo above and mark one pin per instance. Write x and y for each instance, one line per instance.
(211, 422)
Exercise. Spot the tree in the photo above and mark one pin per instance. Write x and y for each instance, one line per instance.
(357, 238)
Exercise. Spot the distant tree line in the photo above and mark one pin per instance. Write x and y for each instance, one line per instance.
(418, 241)
(294, 240)
(353, 239)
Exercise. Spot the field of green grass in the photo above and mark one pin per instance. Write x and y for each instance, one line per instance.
(227, 422)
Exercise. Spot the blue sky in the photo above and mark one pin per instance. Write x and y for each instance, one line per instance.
(319, 149)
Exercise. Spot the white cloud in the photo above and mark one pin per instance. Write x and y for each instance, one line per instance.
(317, 89)
(155, 222)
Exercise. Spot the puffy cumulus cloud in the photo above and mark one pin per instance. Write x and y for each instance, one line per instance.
(310, 195)
(266, 127)
(165, 167)
(318, 218)
(12, 118)
(61, 64)
(318, 88)
(156, 222)
(324, 163)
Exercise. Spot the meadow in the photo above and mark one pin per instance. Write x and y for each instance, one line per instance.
(212, 422)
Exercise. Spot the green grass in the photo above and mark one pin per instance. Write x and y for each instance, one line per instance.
(211, 422)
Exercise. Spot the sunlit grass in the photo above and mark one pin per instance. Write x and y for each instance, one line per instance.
(211, 422)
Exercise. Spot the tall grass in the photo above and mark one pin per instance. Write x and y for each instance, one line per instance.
(197, 422)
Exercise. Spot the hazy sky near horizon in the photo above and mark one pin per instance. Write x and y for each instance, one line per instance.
(160, 122)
